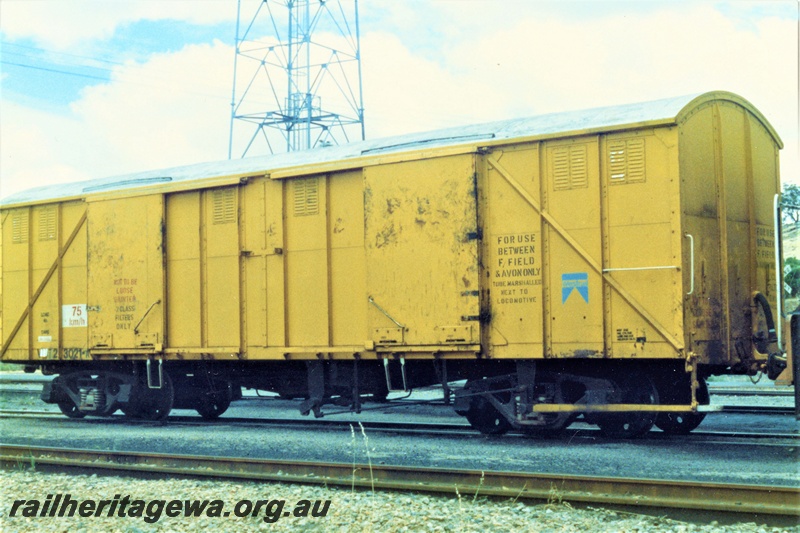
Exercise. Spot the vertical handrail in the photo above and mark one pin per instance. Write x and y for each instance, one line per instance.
(776, 204)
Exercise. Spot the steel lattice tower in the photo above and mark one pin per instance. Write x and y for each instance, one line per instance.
(290, 56)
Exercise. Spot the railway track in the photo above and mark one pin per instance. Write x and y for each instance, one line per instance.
(423, 428)
(755, 410)
(779, 503)
(734, 391)
(11, 387)
(34, 383)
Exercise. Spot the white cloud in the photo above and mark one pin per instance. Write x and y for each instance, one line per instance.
(172, 110)
(38, 148)
(405, 92)
(539, 64)
(62, 24)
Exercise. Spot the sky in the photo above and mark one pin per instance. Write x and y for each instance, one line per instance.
(97, 88)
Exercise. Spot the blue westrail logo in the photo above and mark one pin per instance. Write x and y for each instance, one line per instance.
(576, 281)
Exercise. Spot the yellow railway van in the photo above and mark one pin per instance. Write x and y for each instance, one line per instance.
(597, 264)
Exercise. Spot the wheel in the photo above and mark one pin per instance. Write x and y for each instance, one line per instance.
(287, 396)
(151, 404)
(70, 409)
(66, 405)
(637, 388)
(554, 423)
(108, 413)
(380, 397)
(213, 405)
(556, 426)
(129, 410)
(483, 416)
(683, 423)
(94, 389)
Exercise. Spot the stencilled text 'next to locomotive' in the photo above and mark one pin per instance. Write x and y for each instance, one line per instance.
(516, 269)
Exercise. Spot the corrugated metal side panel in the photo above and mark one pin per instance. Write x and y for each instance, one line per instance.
(44, 266)
(202, 271)
(348, 267)
(43, 319)
(422, 252)
(286, 278)
(185, 288)
(513, 254)
(306, 264)
(643, 244)
(16, 282)
(575, 291)
(583, 247)
(126, 299)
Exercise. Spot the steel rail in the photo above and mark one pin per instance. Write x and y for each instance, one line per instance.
(756, 410)
(749, 392)
(730, 409)
(723, 390)
(426, 428)
(629, 492)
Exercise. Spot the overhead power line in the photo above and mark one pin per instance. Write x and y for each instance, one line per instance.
(113, 73)
(57, 71)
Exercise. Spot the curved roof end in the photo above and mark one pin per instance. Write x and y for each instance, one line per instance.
(731, 97)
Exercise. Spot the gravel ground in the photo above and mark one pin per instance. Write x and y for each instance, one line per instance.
(708, 459)
(362, 511)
